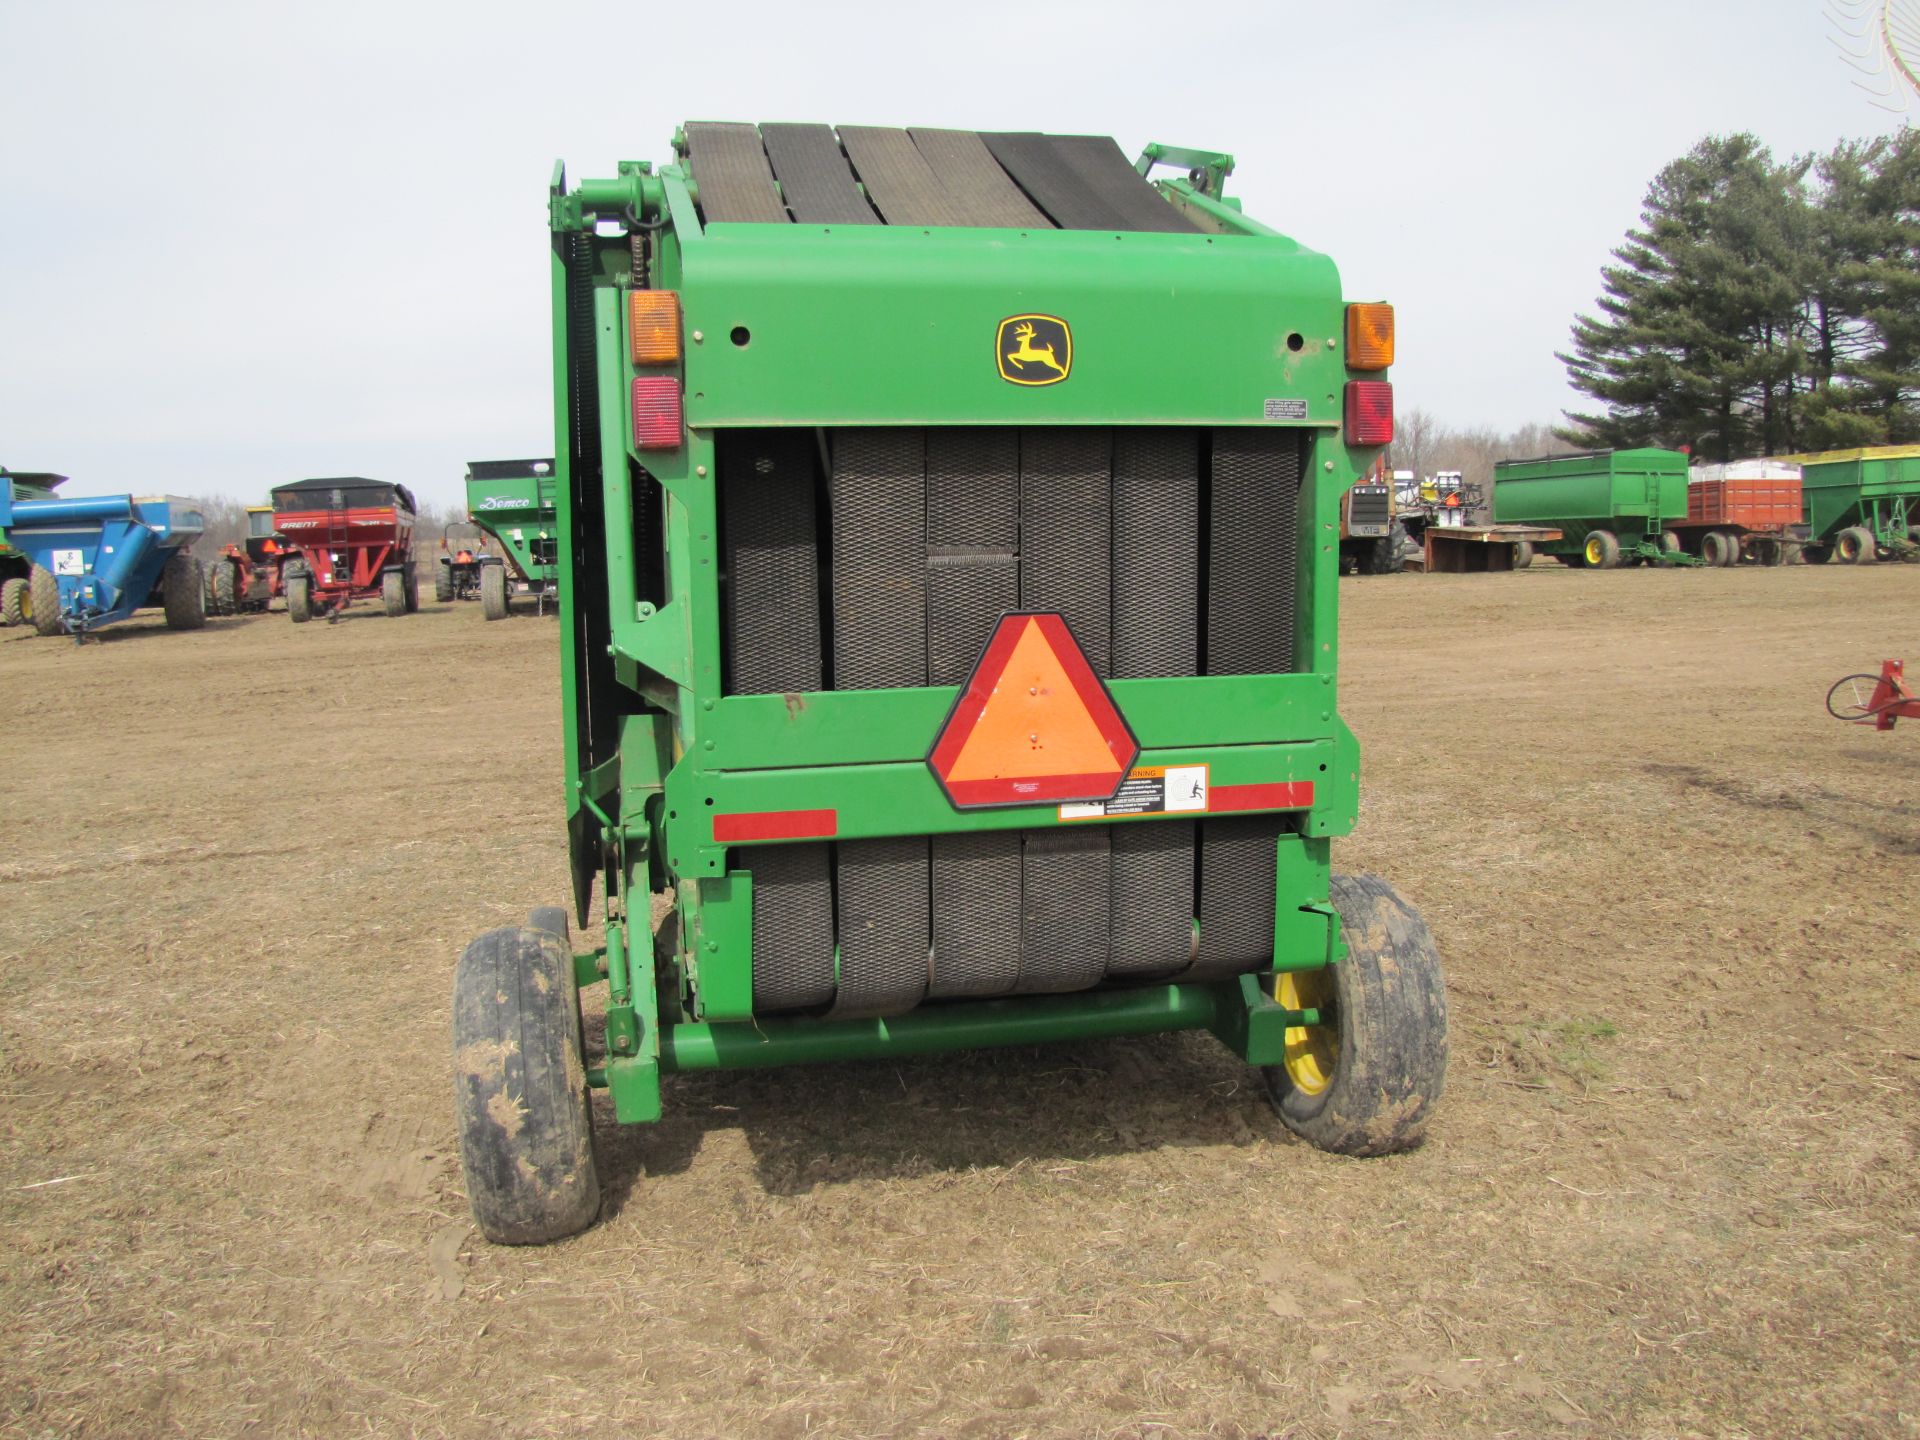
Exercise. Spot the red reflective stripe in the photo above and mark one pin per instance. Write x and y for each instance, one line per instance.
(776, 825)
(1283, 795)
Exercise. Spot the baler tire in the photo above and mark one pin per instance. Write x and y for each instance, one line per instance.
(300, 598)
(1522, 554)
(493, 591)
(1388, 1049)
(14, 604)
(1855, 545)
(443, 582)
(1601, 550)
(393, 594)
(1815, 554)
(183, 593)
(43, 602)
(520, 1089)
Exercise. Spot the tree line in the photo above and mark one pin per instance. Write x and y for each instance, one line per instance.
(1761, 307)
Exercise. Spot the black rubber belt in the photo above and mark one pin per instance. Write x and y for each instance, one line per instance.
(976, 914)
(1156, 632)
(977, 190)
(1252, 551)
(813, 176)
(899, 183)
(883, 907)
(1253, 546)
(1065, 530)
(973, 578)
(1083, 182)
(879, 559)
(878, 493)
(1064, 909)
(731, 173)
(766, 491)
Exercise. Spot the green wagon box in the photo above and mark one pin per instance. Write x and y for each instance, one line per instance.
(950, 533)
(1862, 505)
(515, 502)
(1611, 506)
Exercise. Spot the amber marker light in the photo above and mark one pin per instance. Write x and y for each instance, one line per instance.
(1369, 337)
(653, 326)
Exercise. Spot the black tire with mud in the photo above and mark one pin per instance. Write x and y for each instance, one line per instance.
(43, 602)
(1601, 550)
(520, 1088)
(15, 606)
(443, 582)
(1389, 1010)
(1855, 545)
(493, 591)
(225, 588)
(299, 597)
(393, 593)
(183, 592)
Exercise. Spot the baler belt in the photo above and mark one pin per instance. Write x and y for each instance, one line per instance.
(1064, 909)
(883, 909)
(814, 177)
(879, 559)
(773, 567)
(976, 914)
(1083, 182)
(1152, 924)
(1237, 880)
(968, 590)
(978, 190)
(731, 173)
(1065, 530)
(1252, 552)
(899, 183)
(792, 926)
(1156, 554)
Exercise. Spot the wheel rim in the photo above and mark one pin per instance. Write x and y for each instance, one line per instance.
(26, 604)
(1312, 1051)
(1596, 552)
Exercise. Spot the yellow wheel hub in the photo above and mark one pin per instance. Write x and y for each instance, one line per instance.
(1596, 552)
(1313, 1051)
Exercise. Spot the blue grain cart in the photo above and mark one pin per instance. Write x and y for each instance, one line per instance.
(97, 559)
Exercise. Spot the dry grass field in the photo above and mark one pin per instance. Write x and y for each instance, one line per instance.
(1671, 1190)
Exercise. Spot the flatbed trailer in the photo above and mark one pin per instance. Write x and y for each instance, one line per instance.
(1476, 549)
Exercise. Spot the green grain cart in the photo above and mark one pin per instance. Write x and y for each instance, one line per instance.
(1862, 505)
(1612, 507)
(514, 501)
(948, 631)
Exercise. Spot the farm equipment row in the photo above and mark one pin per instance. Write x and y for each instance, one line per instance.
(92, 561)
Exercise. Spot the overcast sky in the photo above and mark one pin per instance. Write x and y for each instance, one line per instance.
(250, 243)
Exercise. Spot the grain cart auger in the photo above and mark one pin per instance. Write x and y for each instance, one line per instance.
(947, 614)
(513, 501)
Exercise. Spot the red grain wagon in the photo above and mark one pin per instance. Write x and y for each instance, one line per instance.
(355, 541)
(1749, 510)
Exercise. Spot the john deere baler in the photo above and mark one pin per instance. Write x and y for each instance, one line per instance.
(949, 537)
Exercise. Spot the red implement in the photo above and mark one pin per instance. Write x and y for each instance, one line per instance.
(1876, 700)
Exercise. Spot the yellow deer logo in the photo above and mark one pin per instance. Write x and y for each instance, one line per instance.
(1035, 350)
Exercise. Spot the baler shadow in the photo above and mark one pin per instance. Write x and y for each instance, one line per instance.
(993, 1109)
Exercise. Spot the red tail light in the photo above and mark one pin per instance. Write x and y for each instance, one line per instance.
(1369, 412)
(656, 412)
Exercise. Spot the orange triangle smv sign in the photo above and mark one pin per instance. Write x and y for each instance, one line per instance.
(1033, 724)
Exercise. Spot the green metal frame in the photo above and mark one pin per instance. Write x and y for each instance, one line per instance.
(1877, 489)
(808, 326)
(1633, 493)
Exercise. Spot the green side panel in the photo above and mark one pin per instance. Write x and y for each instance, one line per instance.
(522, 513)
(1878, 490)
(879, 325)
(717, 916)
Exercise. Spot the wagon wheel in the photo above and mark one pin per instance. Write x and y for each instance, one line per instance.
(443, 581)
(225, 588)
(14, 602)
(1601, 550)
(1364, 1077)
(493, 591)
(520, 1088)
(183, 593)
(1522, 554)
(300, 597)
(393, 594)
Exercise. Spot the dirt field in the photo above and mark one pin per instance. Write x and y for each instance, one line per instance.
(1671, 1189)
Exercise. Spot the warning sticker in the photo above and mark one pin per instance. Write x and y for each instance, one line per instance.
(1149, 790)
(1286, 410)
(69, 562)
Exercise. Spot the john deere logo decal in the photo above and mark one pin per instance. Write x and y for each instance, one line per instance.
(1034, 349)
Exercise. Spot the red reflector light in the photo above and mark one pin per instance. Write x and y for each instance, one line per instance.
(776, 825)
(656, 412)
(1369, 412)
